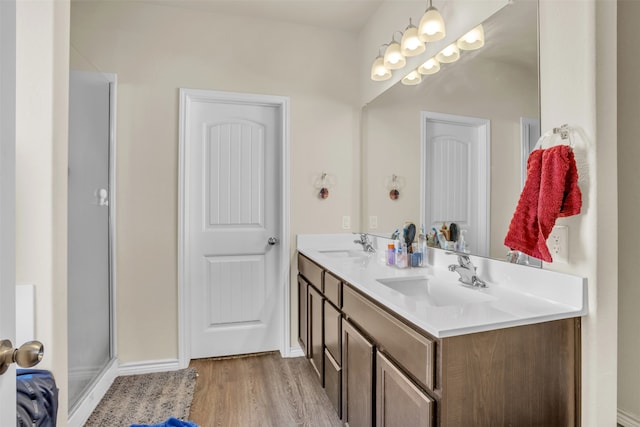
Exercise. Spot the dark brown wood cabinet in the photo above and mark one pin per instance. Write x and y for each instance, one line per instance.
(303, 331)
(399, 402)
(378, 369)
(357, 377)
(316, 340)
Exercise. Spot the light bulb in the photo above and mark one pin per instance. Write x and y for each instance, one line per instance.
(413, 78)
(449, 54)
(393, 57)
(431, 26)
(432, 66)
(411, 45)
(378, 71)
(474, 39)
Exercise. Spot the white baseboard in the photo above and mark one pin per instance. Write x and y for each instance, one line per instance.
(295, 352)
(149, 366)
(627, 419)
(81, 413)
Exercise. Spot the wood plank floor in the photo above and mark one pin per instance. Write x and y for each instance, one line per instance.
(259, 390)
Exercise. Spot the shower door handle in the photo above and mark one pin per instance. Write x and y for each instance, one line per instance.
(29, 354)
(103, 197)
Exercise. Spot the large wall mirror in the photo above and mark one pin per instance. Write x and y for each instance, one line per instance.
(491, 94)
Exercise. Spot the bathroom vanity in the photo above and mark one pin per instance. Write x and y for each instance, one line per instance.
(413, 347)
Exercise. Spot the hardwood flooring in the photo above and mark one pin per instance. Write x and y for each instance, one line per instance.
(259, 390)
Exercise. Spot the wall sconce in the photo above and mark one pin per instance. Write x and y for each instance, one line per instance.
(449, 54)
(432, 66)
(473, 40)
(431, 26)
(411, 79)
(378, 71)
(394, 186)
(323, 183)
(411, 45)
(393, 57)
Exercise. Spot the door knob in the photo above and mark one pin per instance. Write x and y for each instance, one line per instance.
(273, 240)
(29, 354)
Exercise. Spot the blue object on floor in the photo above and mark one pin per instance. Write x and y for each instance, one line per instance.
(171, 422)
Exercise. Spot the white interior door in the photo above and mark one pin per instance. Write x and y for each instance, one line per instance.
(7, 203)
(455, 176)
(233, 209)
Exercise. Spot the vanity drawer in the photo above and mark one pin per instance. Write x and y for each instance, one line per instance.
(333, 289)
(311, 271)
(413, 351)
(333, 382)
(333, 331)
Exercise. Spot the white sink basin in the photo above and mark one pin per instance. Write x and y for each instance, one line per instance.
(435, 293)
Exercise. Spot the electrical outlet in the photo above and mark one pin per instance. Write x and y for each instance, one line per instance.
(373, 222)
(558, 243)
(346, 222)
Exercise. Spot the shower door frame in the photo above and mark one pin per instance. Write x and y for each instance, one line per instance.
(81, 411)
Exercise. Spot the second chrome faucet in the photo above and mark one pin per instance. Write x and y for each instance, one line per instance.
(467, 271)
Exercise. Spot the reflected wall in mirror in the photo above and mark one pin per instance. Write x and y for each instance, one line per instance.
(497, 83)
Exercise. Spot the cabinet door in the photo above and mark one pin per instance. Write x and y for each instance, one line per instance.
(303, 331)
(398, 401)
(357, 378)
(332, 331)
(316, 340)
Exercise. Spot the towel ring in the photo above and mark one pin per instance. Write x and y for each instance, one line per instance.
(564, 132)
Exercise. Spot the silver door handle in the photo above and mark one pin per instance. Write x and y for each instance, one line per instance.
(29, 354)
(273, 240)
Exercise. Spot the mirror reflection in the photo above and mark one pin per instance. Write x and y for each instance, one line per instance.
(453, 146)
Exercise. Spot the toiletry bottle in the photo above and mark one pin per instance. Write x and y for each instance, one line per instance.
(391, 254)
(402, 261)
(422, 248)
(396, 251)
(462, 244)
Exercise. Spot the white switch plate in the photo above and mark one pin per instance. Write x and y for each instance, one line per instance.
(373, 222)
(346, 222)
(558, 244)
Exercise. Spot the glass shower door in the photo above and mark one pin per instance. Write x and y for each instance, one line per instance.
(89, 272)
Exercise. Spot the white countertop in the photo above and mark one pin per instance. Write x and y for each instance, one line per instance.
(515, 295)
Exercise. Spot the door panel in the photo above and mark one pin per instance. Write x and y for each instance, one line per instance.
(232, 210)
(89, 287)
(456, 177)
(7, 202)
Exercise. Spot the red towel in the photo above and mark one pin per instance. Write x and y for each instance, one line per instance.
(523, 230)
(551, 191)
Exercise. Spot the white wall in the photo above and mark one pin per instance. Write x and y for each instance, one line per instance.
(155, 50)
(578, 87)
(628, 203)
(41, 174)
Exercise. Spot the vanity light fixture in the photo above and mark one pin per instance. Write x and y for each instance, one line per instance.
(413, 78)
(379, 72)
(432, 66)
(474, 39)
(431, 26)
(411, 45)
(449, 54)
(393, 57)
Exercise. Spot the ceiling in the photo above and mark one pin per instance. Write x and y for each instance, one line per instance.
(345, 15)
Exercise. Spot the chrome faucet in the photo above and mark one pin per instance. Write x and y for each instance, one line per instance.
(365, 242)
(467, 271)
